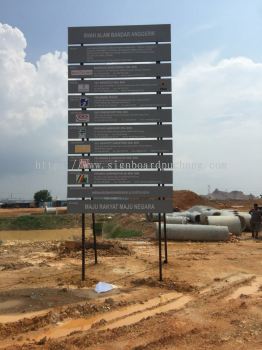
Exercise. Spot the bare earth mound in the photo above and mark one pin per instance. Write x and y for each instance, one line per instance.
(184, 199)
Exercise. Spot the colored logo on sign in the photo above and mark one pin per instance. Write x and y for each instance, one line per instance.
(82, 179)
(82, 148)
(84, 102)
(82, 118)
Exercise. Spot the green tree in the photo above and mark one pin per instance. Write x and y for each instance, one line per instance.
(42, 196)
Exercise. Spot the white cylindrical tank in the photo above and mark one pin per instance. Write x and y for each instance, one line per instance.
(232, 222)
(204, 233)
(172, 219)
(246, 216)
(50, 210)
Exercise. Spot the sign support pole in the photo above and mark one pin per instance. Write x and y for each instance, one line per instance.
(165, 239)
(94, 234)
(160, 247)
(83, 247)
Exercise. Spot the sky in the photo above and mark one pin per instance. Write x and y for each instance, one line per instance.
(217, 89)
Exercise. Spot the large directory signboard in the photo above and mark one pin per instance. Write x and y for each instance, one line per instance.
(120, 119)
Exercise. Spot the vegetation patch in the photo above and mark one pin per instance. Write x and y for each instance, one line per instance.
(112, 230)
(39, 222)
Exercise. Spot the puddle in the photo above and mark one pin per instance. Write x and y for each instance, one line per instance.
(174, 305)
(5, 305)
(226, 283)
(253, 288)
(127, 315)
(18, 316)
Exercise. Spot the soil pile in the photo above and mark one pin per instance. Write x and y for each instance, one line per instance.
(186, 199)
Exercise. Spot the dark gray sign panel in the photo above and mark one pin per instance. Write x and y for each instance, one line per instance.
(120, 192)
(119, 101)
(119, 86)
(119, 70)
(120, 116)
(119, 131)
(110, 206)
(120, 162)
(119, 34)
(120, 177)
(119, 53)
(132, 146)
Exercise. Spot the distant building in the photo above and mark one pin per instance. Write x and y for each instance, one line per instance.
(17, 204)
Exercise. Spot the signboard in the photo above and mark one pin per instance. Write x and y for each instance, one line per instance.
(119, 53)
(120, 177)
(104, 206)
(120, 192)
(120, 116)
(120, 162)
(119, 86)
(119, 34)
(132, 146)
(119, 70)
(119, 131)
(119, 101)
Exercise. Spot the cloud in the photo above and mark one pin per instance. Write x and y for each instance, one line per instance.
(217, 117)
(30, 95)
(33, 100)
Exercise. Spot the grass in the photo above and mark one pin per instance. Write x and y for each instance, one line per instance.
(39, 222)
(112, 230)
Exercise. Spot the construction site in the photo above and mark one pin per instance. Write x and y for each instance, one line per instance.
(210, 296)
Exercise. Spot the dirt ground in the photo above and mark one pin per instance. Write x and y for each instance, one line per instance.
(211, 296)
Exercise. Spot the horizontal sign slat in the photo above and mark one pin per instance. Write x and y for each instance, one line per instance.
(120, 162)
(119, 131)
(120, 177)
(119, 86)
(119, 101)
(100, 206)
(119, 70)
(129, 146)
(120, 116)
(119, 34)
(119, 53)
(120, 192)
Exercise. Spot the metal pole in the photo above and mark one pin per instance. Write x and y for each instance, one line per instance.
(94, 233)
(83, 247)
(165, 261)
(159, 247)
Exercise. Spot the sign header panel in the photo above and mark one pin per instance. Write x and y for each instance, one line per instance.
(119, 34)
(104, 206)
(119, 53)
(119, 71)
(120, 116)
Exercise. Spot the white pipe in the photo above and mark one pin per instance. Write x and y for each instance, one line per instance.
(194, 232)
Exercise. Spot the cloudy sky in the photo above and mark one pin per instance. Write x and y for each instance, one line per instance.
(217, 83)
